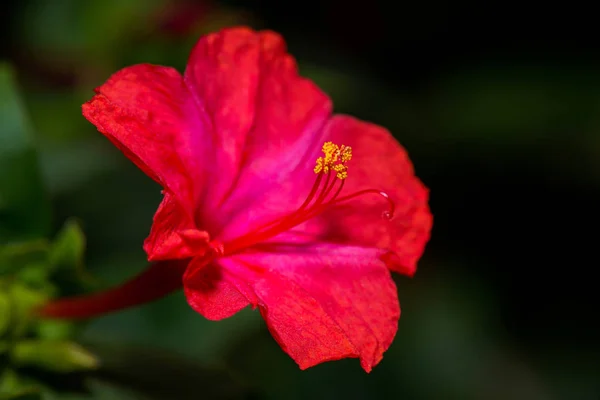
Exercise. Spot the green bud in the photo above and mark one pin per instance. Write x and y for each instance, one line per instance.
(53, 355)
(68, 247)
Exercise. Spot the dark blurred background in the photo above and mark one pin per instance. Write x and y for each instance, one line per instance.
(499, 108)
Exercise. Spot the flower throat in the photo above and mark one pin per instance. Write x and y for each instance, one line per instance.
(332, 171)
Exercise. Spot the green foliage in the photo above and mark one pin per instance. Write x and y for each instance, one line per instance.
(52, 355)
(68, 247)
(29, 263)
(24, 206)
(28, 277)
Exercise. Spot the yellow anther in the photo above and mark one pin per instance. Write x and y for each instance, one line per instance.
(321, 166)
(345, 153)
(331, 152)
(335, 158)
(342, 171)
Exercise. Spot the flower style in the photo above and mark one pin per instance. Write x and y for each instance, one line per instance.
(269, 199)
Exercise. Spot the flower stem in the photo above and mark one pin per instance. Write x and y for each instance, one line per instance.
(158, 280)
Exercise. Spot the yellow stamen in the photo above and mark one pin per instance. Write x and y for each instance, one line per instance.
(342, 171)
(335, 158)
(345, 153)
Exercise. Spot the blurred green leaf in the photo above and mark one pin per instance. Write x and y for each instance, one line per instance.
(53, 355)
(24, 395)
(68, 247)
(24, 207)
(4, 313)
(36, 277)
(12, 384)
(17, 255)
(66, 260)
(24, 300)
(55, 329)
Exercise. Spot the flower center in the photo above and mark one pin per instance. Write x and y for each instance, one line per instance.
(332, 171)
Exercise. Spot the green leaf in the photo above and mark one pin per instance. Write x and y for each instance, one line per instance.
(66, 260)
(68, 247)
(13, 386)
(36, 277)
(53, 355)
(55, 329)
(24, 300)
(18, 255)
(24, 207)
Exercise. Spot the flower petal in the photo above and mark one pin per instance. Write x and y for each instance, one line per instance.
(378, 162)
(263, 117)
(320, 302)
(213, 291)
(173, 235)
(148, 113)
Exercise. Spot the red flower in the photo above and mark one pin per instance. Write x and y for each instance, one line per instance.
(247, 212)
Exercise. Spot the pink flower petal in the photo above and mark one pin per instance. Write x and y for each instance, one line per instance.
(148, 113)
(263, 117)
(320, 302)
(378, 162)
